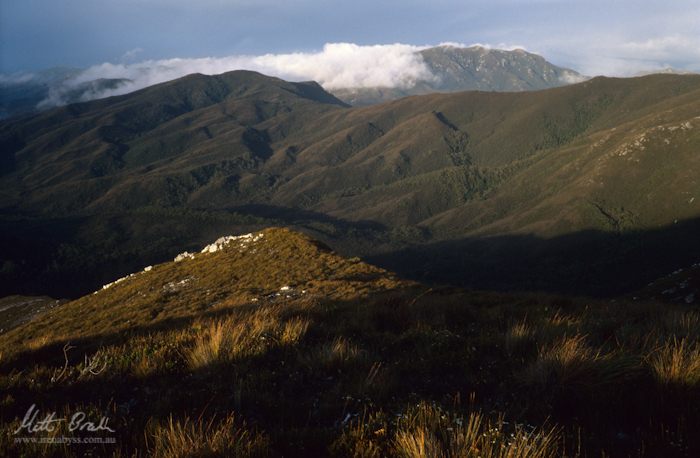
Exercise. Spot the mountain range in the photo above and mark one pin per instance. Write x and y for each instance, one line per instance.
(452, 68)
(254, 267)
(587, 188)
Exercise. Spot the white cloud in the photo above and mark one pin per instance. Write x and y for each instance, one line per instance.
(348, 65)
(568, 77)
(338, 65)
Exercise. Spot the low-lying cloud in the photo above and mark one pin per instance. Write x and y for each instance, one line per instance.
(338, 65)
(345, 65)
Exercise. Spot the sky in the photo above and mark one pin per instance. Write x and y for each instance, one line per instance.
(319, 39)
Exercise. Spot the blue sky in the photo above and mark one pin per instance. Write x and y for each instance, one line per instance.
(615, 37)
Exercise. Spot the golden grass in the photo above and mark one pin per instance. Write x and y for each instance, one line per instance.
(429, 432)
(227, 339)
(179, 290)
(567, 360)
(210, 346)
(417, 444)
(683, 324)
(38, 342)
(571, 362)
(190, 438)
(517, 335)
(561, 319)
(318, 371)
(294, 330)
(677, 362)
(335, 353)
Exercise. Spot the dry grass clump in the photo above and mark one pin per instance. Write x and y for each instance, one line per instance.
(427, 431)
(210, 346)
(683, 324)
(561, 319)
(336, 353)
(231, 338)
(38, 342)
(206, 438)
(518, 336)
(294, 330)
(571, 362)
(566, 360)
(677, 362)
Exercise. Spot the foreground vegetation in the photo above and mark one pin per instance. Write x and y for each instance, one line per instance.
(238, 353)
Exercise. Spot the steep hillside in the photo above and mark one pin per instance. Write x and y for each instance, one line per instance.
(269, 344)
(608, 159)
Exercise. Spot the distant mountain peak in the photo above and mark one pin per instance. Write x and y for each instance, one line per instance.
(477, 68)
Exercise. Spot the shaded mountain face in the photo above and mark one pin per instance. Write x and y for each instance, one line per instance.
(474, 68)
(474, 188)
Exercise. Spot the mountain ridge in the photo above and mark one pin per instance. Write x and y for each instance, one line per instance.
(246, 151)
(457, 69)
(454, 69)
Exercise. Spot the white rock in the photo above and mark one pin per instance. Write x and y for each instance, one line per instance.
(183, 256)
(243, 241)
(119, 280)
(148, 268)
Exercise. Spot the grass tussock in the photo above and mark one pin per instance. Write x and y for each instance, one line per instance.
(225, 340)
(572, 363)
(428, 431)
(188, 438)
(336, 353)
(677, 362)
(683, 324)
(212, 345)
(518, 336)
(567, 360)
(294, 330)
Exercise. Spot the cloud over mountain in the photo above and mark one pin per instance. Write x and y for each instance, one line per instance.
(337, 65)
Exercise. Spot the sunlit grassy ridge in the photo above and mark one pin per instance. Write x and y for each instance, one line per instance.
(350, 361)
(211, 282)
